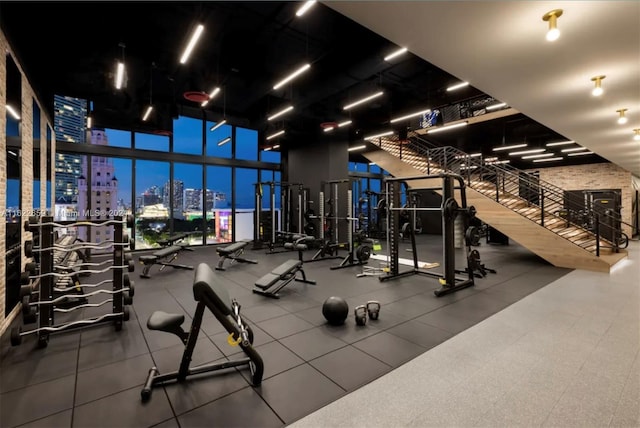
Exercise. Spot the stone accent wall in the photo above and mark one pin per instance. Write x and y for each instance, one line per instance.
(591, 177)
(26, 179)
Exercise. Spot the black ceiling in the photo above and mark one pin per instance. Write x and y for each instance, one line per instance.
(71, 48)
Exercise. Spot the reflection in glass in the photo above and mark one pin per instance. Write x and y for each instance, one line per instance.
(214, 137)
(219, 215)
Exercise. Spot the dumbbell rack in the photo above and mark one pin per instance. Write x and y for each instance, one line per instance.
(43, 309)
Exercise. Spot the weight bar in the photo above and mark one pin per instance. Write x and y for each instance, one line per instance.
(77, 296)
(130, 266)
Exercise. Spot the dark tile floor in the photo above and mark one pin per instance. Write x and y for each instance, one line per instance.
(93, 377)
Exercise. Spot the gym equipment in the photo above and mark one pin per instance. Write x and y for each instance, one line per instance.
(360, 313)
(40, 279)
(450, 209)
(373, 309)
(278, 278)
(335, 310)
(234, 253)
(172, 240)
(163, 257)
(213, 295)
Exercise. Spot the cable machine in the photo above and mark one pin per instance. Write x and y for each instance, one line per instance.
(450, 209)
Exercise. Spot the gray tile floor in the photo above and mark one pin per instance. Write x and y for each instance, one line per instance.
(566, 355)
(479, 352)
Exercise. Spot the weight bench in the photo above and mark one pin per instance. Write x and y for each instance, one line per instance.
(171, 240)
(277, 279)
(211, 294)
(233, 253)
(163, 257)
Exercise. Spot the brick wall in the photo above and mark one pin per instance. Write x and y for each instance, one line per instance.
(592, 177)
(3, 170)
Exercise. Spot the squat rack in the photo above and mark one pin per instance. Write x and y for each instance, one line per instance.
(449, 282)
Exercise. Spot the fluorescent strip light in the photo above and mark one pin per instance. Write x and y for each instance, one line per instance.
(475, 155)
(267, 149)
(447, 127)
(580, 154)
(292, 76)
(457, 86)
(89, 121)
(277, 146)
(527, 152)
(192, 43)
(498, 162)
(119, 74)
(12, 153)
(372, 163)
(223, 142)
(305, 7)
(418, 113)
(560, 143)
(13, 113)
(384, 134)
(548, 159)
(575, 149)
(491, 159)
(356, 148)
(280, 113)
(495, 106)
(275, 135)
(212, 94)
(345, 123)
(218, 125)
(542, 155)
(514, 146)
(395, 54)
(147, 113)
(364, 100)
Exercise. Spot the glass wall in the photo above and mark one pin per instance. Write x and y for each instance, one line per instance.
(219, 218)
(215, 140)
(246, 144)
(151, 210)
(245, 202)
(270, 156)
(190, 201)
(158, 143)
(187, 135)
(117, 138)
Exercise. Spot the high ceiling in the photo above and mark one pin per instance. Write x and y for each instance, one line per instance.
(500, 48)
(71, 48)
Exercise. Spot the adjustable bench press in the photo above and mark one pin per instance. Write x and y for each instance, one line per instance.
(171, 240)
(233, 252)
(278, 278)
(163, 257)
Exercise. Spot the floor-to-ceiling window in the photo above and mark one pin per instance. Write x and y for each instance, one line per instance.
(151, 203)
(219, 217)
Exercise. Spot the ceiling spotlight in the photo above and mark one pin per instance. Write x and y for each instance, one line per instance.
(636, 137)
(552, 18)
(622, 119)
(597, 91)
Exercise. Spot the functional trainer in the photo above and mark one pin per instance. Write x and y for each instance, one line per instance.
(214, 296)
(234, 253)
(163, 257)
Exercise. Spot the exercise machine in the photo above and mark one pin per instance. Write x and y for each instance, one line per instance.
(450, 209)
(163, 257)
(210, 294)
(234, 253)
(271, 283)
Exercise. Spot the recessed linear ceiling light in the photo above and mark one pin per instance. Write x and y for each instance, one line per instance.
(552, 16)
(514, 146)
(192, 43)
(408, 116)
(218, 125)
(541, 155)
(580, 154)
(548, 159)
(526, 152)
(351, 149)
(147, 113)
(457, 86)
(277, 134)
(224, 141)
(363, 100)
(447, 127)
(576, 149)
(560, 143)
(292, 76)
(13, 113)
(212, 94)
(280, 113)
(636, 137)
(383, 134)
(395, 54)
(496, 106)
(622, 119)
(119, 74)
(597, 91)
(305, 7)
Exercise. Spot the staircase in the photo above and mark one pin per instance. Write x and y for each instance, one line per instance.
(516, 203)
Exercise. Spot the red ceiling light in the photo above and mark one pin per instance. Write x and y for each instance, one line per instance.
(196, 96)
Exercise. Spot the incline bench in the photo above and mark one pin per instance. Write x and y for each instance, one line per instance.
(233, 253)
(160, 258)
(277, 279)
